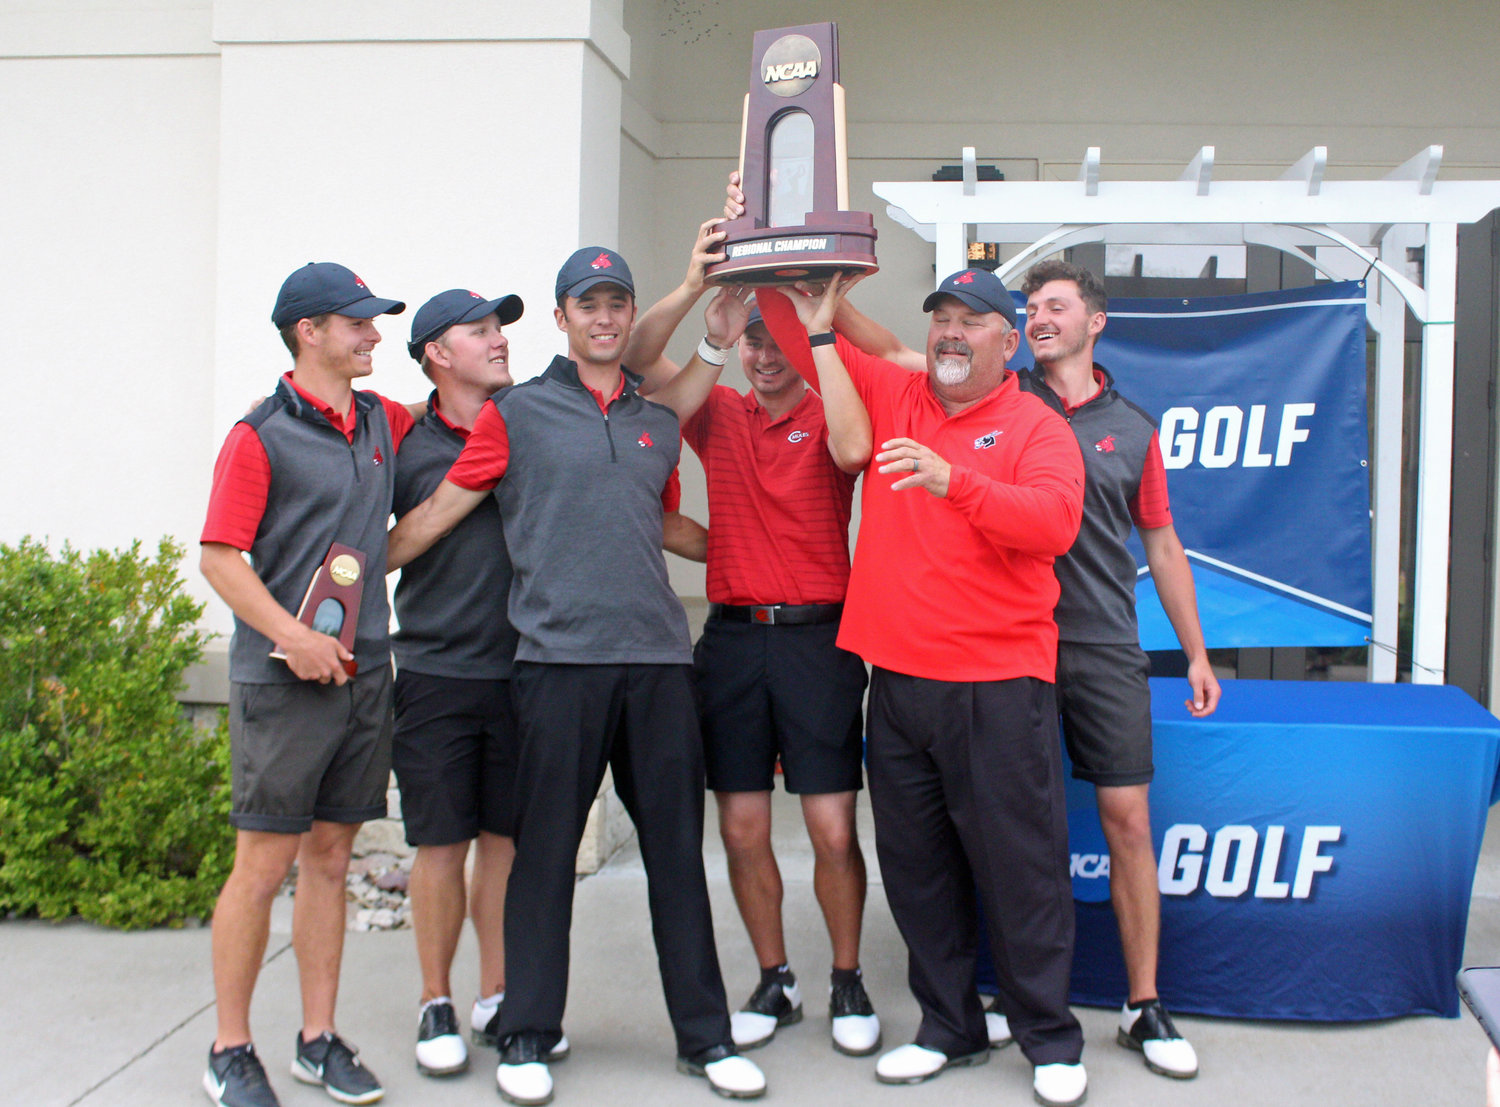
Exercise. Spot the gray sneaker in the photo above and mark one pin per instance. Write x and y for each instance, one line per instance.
(332, 1064)
(236, 1078)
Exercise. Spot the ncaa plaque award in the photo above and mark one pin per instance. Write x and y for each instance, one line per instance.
(794, 168)
(331, 605)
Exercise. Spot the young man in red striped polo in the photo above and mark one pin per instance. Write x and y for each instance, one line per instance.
(771, 680)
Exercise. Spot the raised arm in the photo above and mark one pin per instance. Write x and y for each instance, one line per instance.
(309, 654)
(850, 441)
(424, 524)
(724, 321)
(872, 338)
(1179, 599)
(654, 329)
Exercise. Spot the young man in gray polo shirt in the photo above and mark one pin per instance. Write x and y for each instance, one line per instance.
(310, 727)
(601, 677)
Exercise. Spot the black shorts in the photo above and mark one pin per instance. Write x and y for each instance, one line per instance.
(1105, 705)
(788, 691)
(308, 751)
(455, 758)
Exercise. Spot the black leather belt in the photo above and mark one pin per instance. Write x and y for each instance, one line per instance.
(777, 614)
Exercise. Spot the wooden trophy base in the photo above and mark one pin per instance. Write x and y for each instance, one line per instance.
(828, 242)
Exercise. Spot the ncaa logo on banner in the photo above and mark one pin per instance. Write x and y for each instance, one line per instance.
(1088, 860)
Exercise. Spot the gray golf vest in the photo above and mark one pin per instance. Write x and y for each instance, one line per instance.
(1097, 576)
(451, 601)
(324, 489)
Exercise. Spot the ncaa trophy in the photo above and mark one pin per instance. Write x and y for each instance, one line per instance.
(794, 168)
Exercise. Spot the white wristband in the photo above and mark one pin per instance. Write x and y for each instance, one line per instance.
(710, 353)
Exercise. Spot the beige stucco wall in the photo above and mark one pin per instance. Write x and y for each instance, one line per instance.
(169, 161)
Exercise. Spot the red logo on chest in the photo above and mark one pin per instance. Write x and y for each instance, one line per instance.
(1105, 445)
(377, 458)
(645, 440)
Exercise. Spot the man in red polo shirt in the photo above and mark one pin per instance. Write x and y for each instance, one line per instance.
(771, 679)
(310, 739)
(976, 488)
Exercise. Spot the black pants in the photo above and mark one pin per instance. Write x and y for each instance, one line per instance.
(641, 721)
(966, 786)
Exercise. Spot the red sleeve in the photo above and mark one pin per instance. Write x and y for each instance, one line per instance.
(1040, 512)
(695, 428)
(1149, 508)
(486, 453)
(671, 494)
(237, 500)
(865, 370)
(787, 331)
(400, 420)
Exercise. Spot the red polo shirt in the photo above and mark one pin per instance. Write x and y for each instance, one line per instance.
(962, 588)
(242, 473)
(778, 505)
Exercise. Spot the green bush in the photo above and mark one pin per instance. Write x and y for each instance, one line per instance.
(112, 805)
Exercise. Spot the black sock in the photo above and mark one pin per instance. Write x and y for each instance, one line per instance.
(846, 976)
(782, 973)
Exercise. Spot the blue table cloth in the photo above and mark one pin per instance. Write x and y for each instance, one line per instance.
(1317, 845)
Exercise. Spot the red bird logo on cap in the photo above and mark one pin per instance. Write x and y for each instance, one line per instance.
(475, 296)
(601, 262)
(966, 277)
(1105, 445)
(644, 441)
(361, 283)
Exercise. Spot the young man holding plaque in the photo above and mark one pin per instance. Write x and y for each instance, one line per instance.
(976, 489)
(310, 734)
(771, 681)
(579, 464)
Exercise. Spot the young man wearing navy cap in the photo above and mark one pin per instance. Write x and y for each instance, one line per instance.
(976, 488)
(771, 681)
(310, 734)
(579, 464)
(455, 742)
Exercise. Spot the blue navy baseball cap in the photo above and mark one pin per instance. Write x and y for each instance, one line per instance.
(755, 317)
(590, 266)
(457, 305)
(979, 289)
(321, 287)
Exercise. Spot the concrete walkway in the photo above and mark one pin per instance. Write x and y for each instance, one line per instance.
(95, 1017)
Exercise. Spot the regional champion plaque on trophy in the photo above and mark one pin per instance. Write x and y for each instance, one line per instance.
(331, 605)
(794, 168)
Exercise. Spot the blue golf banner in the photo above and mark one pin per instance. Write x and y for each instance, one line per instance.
(1260, 403)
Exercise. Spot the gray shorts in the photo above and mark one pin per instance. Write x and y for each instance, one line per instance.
(309, 751)
(1105, 705)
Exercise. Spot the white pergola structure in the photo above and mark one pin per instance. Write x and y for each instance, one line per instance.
(1298, 213)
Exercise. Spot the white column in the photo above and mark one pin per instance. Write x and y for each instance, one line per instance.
(952, 250)
(1385, 500)
(426, 148)
(1435, 466)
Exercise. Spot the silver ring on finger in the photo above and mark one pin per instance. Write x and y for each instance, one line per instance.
(915, 465)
